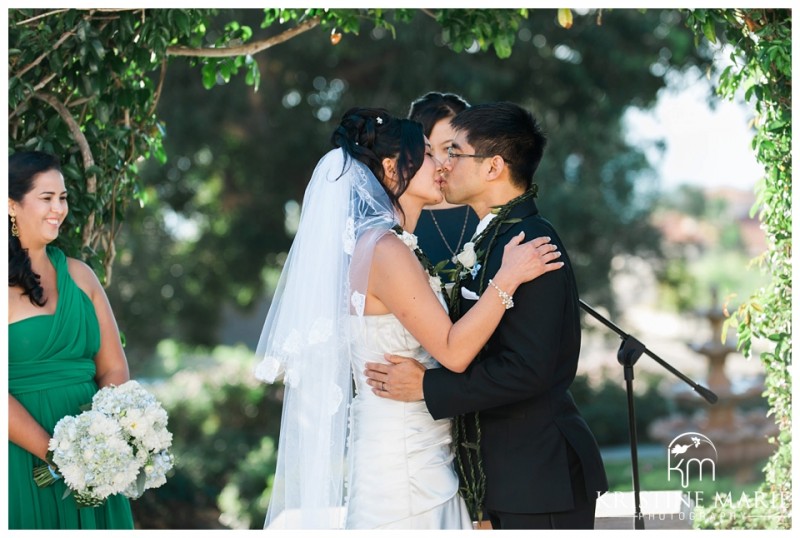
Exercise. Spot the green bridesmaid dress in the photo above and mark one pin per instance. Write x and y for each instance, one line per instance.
(51, 373)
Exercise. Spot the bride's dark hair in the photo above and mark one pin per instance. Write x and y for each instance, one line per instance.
(372, 134)
(23, 167)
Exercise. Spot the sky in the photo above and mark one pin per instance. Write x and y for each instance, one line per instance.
(704, 147)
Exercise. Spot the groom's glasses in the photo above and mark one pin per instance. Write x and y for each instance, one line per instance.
(455, 155)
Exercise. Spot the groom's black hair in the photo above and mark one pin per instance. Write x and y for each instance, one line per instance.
(508, 130)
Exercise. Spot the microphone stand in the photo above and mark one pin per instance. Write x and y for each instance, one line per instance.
(629, 352)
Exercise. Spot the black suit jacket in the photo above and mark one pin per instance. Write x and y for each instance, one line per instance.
(520, 383)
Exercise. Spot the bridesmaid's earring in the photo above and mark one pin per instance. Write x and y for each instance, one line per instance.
(14, 228)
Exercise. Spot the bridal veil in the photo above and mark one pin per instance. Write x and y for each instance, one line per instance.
(306, 338)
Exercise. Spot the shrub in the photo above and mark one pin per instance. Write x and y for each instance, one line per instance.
(225, 425)
(605, 407)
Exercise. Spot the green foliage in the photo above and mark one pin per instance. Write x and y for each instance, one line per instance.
(604, 406)
(225, 426)
(461, 28)
(726, 502)
(688, 199)
(221, 70)
(678, 287)
(726, 271)
(762, 44)
(342, 20)
(237, 172)
(233, 168)
(464, 28)
(82, 86)
(752, 508)
(690, 272)
(653, 477)
(245, 498)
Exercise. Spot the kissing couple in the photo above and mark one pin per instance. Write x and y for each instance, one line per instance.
(405, 402)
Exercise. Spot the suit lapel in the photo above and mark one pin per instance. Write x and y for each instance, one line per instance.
(521, 211)
(518, 212)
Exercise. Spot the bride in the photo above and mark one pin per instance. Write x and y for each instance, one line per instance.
(355, 286)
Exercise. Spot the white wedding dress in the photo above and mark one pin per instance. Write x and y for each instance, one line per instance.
(348, 461)
(401, 460)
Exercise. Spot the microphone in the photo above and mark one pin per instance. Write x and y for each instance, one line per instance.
(709, 396)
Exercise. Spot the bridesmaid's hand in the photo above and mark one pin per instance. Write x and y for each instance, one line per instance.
(24, 431)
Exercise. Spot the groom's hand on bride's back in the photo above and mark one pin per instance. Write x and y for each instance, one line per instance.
(401, 379)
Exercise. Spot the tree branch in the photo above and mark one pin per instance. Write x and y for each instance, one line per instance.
(157, 94)
(79, 102)
(57, 11)
(41, 16)
(249, 48)
(86, 154)
(44, 82)
(38, 60)
(429, 13)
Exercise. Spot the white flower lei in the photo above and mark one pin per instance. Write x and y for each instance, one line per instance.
(410, 240)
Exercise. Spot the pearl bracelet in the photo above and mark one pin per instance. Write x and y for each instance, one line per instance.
(506, 299)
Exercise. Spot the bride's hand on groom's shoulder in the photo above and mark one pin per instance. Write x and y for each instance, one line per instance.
(524, 261)
(401, 379)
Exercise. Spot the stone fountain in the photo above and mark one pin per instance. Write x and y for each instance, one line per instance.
(740, 436)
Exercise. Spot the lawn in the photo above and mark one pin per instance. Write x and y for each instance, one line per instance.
(653, 477)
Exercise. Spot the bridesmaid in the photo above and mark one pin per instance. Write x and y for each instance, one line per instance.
(63, 344)
(443, 228)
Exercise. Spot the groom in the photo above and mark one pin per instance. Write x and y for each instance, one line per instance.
(541, 462)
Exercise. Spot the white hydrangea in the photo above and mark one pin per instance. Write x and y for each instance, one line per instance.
(121, 445)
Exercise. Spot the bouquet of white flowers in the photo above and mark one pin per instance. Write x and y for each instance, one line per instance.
(121, 445)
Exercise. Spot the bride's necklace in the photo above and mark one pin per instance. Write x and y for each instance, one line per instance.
(441, 234)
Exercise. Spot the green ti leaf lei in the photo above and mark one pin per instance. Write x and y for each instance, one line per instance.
(460, 272)
(469, 464)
